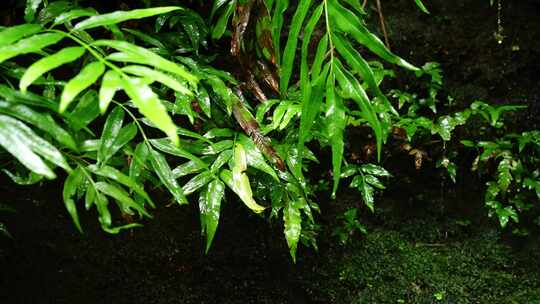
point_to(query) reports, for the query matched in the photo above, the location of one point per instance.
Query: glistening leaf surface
(88, 76)
(48, 63)
(121, 16)
(150, 106)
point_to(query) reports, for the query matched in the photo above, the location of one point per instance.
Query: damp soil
(422, 245)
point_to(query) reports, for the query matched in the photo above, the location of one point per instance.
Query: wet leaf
(23, 144)
(290, 47)
(336, 122)
(349, 22)
(375, 170)
(221, 24)
(197, 182)
(30, 9)
(141, 55)
(73, 14)
(14, 33)
(126, 203)
(121, 178)
(158, 76)
(293, 227)
(42, 121)
(110, 83)
(209, 206)
(121, 16)
(86, 111)
(48, 63)
(138, 161)
(29, 45)
(421, 6)
(72, 182)
(164, 172)
(88, 76)
(254, 157)
(110, 132)
(150, 106)
(239, 184)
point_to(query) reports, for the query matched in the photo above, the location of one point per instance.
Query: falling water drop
(499, 34)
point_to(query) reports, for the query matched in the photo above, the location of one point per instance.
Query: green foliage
(130, 99)
(513, 187)
(350, 225)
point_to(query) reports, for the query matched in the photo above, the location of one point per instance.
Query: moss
(387, 267)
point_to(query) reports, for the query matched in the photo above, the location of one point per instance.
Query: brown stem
(250, 126)
(383, 26)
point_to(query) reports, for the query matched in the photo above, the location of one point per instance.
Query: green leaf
(158, 76)
(150, 106)
(221, 160)
(310, 106)
(216, 6)
(254, 157)
(120, 195)
(375, 170)
(14, 33)
(31, 179)
(146, 38)
(221, 24)
(163, 171)
(20, 142)
(209, 206)
(366, 190)
(349, 23)
(110, 83)
(40, 146)
(53, 10)
(32, 44)
(110, 132)
(30, 10)
(72, 182)
(187, 168)
(312, 98)
(374, 181)
(359, 65)
(277, 25)
(197, 182)
(239, 184)
(138, 161)
(15, 96)
(116, 230)
(121, 16)
(421, 6)
(290, 47)
(117, 176)
(42, 121)
(203, 99)
(352, 88)
(320, 54)
(73, 14)
(293, 227)
(336, 122)
(48, 63)
(88, 76)
(5, 231)
(141, 55)
(85, 111)
(127, 133)
(166, 146)
(238, 181)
